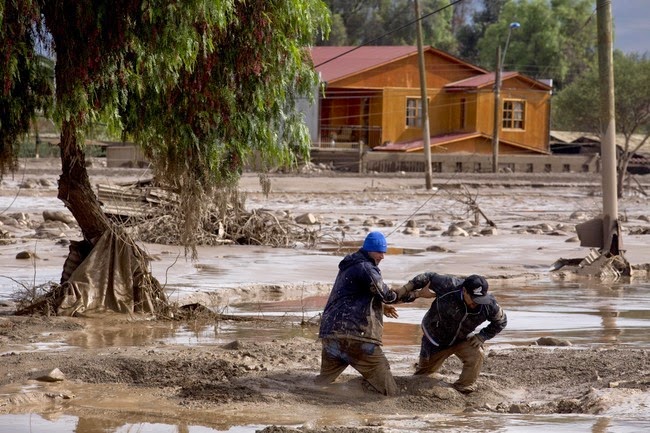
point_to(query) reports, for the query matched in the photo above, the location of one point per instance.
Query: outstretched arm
(408, 292)
(498, 321)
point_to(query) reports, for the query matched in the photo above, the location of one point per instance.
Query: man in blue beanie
(352, 322)
(459, 307)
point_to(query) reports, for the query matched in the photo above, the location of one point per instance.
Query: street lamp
(497, 98)
(511, 27)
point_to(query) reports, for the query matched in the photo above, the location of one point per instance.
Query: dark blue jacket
(449, 320)
(354, 308)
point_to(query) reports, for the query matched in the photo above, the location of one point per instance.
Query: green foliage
(632, 80)
(202, 83)
(338, 35)
(235, 101)
(557, 39)
(577, 106)
(470, 33)
(25, 76)
(386, 22)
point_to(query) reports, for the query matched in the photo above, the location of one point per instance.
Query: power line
(388, 33)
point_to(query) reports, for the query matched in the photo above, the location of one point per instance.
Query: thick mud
(254, 369)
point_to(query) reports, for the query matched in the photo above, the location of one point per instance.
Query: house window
(436, 167)
(477, 167)
(414, 112)
(529, 168)
(566, 168)
(459, 167)
(514, 113)
(547, 168)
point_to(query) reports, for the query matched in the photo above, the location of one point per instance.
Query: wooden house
(372, 94)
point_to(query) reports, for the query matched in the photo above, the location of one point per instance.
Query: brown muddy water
(586, 313)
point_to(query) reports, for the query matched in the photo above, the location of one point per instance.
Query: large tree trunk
(75, 189)
(115, 277)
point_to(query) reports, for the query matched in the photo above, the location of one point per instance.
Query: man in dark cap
(352, 322)
(459, 307)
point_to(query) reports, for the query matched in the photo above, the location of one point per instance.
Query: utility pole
(611, 231)
(426, 137)
(603, 232)
(501, 60)
(497, 113)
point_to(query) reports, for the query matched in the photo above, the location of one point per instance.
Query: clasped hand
(476, 341)
(425, 292)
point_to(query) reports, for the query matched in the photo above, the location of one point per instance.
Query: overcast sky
(631, 25)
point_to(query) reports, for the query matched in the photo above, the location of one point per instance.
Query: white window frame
(514, 114)
(413, 112)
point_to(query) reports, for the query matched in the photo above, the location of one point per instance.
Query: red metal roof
(440, 140)
(487, 79)
(416, 145)
(335, 63)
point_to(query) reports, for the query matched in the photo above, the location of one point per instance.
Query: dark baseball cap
(477, 287)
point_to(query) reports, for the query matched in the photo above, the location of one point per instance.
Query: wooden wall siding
(343, 110)
(389, 86)
(536, 132)
(470, 123)
(394, 120)
(405, 73)
(445, 115)
(537, 127)
(441, 121)
(376, 118)
(485, 111)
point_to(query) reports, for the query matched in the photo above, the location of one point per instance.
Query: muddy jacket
(354, 308)
(449, 320)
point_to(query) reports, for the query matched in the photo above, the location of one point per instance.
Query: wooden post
(608, 120)
(497, 113)
(426, 136)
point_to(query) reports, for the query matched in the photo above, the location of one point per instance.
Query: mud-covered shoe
(465, 389)
(367, 387)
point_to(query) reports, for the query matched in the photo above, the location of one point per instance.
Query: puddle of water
(226, 333)
(586, 313)
(30, 423)
(583, 314)
(58, 423)
(534, 424)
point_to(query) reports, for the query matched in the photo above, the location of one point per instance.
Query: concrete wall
(465, 163)
(125, 156)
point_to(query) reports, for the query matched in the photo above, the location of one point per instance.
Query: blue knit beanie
(375, 242)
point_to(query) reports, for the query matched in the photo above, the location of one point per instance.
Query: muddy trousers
(367, 358)
(432, 358)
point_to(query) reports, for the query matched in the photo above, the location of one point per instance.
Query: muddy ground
(270, 381)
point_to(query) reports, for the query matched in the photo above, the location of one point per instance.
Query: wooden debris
(151, 212)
